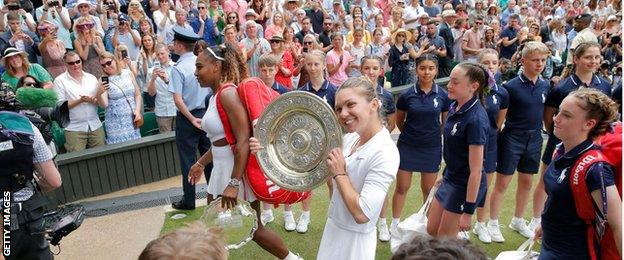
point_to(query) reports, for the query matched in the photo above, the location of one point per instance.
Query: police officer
(190, 99)
(27, 170)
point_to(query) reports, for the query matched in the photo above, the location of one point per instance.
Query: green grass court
(306, 245)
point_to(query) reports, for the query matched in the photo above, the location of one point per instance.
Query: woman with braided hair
(583, 115)
(222, 67)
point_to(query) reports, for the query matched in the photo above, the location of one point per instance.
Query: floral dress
(118, 123)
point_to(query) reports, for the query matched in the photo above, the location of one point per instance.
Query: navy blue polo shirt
(526, 103)
(387, 100)
(496, 100)
(565, 234)
(572, 83)
(327, 92)
(510, 33)
(279, 88)
(422, 123)
(465, 126)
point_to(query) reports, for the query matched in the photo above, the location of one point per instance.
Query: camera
(124, 54)
(53, 3)
(305, 49)
(616, 39)
(13, 7)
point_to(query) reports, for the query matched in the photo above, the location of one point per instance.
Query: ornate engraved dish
(297, 130)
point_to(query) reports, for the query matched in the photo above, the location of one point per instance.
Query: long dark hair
(20, 82)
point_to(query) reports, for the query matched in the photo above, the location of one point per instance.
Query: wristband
(200, 164)
(469, 207)
(340, 174)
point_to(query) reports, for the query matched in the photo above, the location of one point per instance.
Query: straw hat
(10, 52)
(408, 35)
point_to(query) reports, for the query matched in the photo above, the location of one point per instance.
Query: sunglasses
(29, 84)
(85, 26)
(76, 62)
(201, 7)
(307, 43)
(106, 64)
(232, 17)
(400, 35)
(275, 42)
(479, 23)
(83, 6)
(135, 5)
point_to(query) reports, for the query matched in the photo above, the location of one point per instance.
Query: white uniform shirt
(83, 117)
(371, 168)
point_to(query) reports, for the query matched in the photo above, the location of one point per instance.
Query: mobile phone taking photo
(124, 54)
(105, 79)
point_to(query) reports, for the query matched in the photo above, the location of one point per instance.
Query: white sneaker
(266, 217)
(534, 224)
(463, 235)
(384, 233)
(482, 233)
(520, 226)
(495, 234)
(302, 224)
(289, 221)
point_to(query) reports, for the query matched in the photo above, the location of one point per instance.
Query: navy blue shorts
(519, 149)
(489, 164)
(550, 149)
(452, 197)
(415, 158)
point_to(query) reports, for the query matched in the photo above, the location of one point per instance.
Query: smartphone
(13, 7)
(124, 54)
(53, 3)
(305, 49)
(105, 79)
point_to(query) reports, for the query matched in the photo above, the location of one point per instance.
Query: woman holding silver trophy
(362, 170)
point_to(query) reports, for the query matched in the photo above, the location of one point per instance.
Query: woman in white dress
(362, 172)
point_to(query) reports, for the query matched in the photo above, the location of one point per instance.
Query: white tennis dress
(371, 168)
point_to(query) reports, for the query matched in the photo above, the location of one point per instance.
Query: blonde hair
(534, 47)
(108, 55)
(81, 20)
(598, 107)
(193, 242)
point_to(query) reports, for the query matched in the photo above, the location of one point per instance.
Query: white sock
(494, 222)
(291, 256)
(382, 221)
(514, 218)
(395, 221)
(305, 214)
(288, 213)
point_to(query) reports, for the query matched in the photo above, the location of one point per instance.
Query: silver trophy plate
(297, 130)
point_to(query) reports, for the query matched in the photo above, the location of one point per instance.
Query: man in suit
(448, 17)
(17, 38)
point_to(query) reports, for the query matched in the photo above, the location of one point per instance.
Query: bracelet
(469, 207)
(340, 174)
(197, 162)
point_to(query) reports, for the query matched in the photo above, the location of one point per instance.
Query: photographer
(29, 171)
(612, 50)
(54, 12)
(14, 7)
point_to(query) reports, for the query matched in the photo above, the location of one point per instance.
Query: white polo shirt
(83, 117)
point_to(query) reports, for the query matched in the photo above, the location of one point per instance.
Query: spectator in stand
(458, 31)
(238, 6)
(298, 19)
(157, 87)
(338, 61)
(448, 17)
(126, 36)
(399, 56)
(230, 36)
(217, 14)
(232, 19)
(136, 14)
(180, 22)
(16, 66)
(287, 62)
(251, 15)
(13, 7)
(411, 14)
(478, 10)
(309, 45)
(358, 24)
(124, 61)
(54, 12)
(492, 14)
(146, 63)
(110, 23)
(290, 44)
(204, 25)
(82, 91)
(584, 34)
(122, 100)
(489, 39)
(255, 47)
(357, 49)
(15, 37)
(191, 11)
(472, 41)
(317, 16)
(51, 49)
(432, 9)
(163, 18)
(88, 44)
(83, 8)
(396, 21)
(305, 29)
(325, 35)
(276, 27)
(264, 11)
(289, 9)
(511, 9)
(510, 38)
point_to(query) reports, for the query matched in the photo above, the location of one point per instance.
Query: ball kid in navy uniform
(190, 99)
(462, 187)
(583, 115)
(420, 115)
(497, 101)
(585, 62)
(520, 142)
(371, 68)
